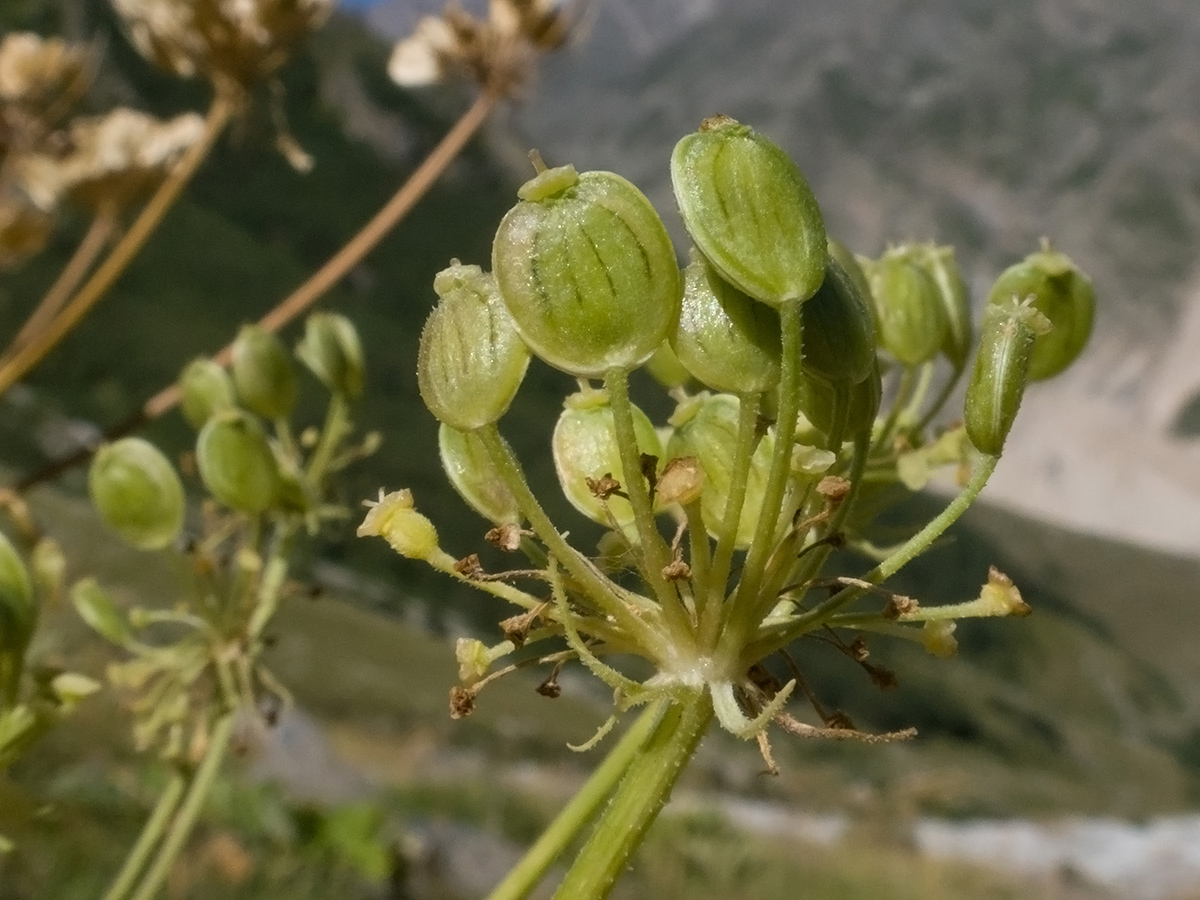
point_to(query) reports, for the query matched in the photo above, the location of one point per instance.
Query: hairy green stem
(654, 549)
(600, 590)
(638, 800)
(580, 811)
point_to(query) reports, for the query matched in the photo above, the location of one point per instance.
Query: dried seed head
(137, 492)
(37, 73)
(750, 211)
(588, 272)
(471, 360)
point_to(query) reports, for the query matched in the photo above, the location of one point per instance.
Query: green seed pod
(137, 492)
(471, 360)
(854, 268)
(471, 472)
(1063, 294)
(585, 448)
(206, 390)
(818, 401)
(1006, 347)
(18, 607)
(263, 373)
(750, 211)
(839, 330)
(586, 268)
(665, 368)
(97, 609)
(912, 319)
(940, 265)
(725, 338)
(236, 462)
(706, 428)
(332, 350)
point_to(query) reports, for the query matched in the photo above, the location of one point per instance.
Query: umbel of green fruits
(778, 347)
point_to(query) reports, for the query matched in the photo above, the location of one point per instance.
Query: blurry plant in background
(790, 460)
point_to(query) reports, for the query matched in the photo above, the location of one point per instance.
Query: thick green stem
(580, 811)
(654, 548)
(152, 831)
(602, 592)
(638, 800)
(337, 428)
(907, 551)
(189, 809)
(271, 586)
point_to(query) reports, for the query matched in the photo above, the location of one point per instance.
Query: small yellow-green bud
(706, 428)
(473, 660)
(839, 330)
(1000, 597)
(394, 519)
(941, 266)
(725, 338)
(586, 268)
(332, 350)
(471, 472)
(237, 464)
(750, 211)
(585, 452)
(912, 319)
(137, 492)
(938, 638)
(263, 373)
(206, 390)
(18, 606)
(471, 360)
(1060, 292)
(1001, 372)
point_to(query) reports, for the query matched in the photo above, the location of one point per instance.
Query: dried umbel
(39, 79)
(111, 159)
(24, 226)
(230, 42)
(137, 492)
(497, 52)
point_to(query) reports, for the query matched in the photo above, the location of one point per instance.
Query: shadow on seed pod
(332, 351)
(1063, 294)
(18, 606)
(912, 320)
(726, 339)
(818, 402)
(236, 462)
(471, 360)
(471, 472)
(137, 492)
(750, 211)
(585, 447)
(665, 368)
(942, 268)
(852, 265)
(706, 428)
(586, 268)
(263, 373)
(1006, 347)
(839, 330)
(206, 390)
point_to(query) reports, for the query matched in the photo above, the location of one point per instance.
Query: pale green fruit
(585, 447)
(18, 606)
(263, 373)
(750, 211)
(471, 360)
(725, 338)
(137, 492)
(332, 350)
(205, 389)
(941, 266)
(470, 470)
(912, 319)
(237, 464)
(586, 268)
(839, 330)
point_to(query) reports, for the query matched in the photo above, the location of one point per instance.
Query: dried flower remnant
(39, 79)
(111, 158)
(230, 42)
(24, 227)
(497, 53)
